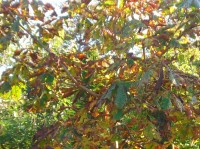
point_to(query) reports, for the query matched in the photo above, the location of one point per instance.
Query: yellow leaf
(104, 64)
(198, 120)
(61, 33)
(171, 9)
(120, 3)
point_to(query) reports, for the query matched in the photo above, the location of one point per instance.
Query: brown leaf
(64, 9)
(48, 6)
(33, 56)
(15, 4)
(17, 52)
(163, 36)
(86, 1)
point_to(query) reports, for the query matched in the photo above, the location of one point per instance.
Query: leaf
(121, 97)
(108, 94)
(48, 6)
(173, 78)
(47, 78)
(24, 72)
(194, 100)
(114, 66)
(43, 99)
(151, 133)
(118, 115)
(165, 103)
(130, 61)
(109, 2)
(174, 43)
(15, 25)
(5, 87)
(145, 78)
(120, 3)
(179, 104)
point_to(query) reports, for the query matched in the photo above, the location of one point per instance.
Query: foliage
(100, 74)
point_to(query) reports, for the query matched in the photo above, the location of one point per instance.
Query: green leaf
(194, 100)
(108, 94)
(109, 2)
(145, 78)
(151, 133)
(179, 104)
(24, 72)
(181, 58)
(118, 115)
(15, 25)
(173, 78)
(165, 103)
(43, 100)
(121, 97)
(47, 78)
(5, 87)
(174, 43)
(130, 61)
(114, 66)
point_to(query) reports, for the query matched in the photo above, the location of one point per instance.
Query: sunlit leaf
(109, 2)
(174, 79)
(179, 103)
(120, 3)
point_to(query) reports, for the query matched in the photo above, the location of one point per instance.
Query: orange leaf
(95, 112)
(81, 56)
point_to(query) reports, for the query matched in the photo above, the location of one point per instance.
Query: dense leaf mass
(100, 74)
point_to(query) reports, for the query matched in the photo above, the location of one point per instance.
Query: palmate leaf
(121, 96)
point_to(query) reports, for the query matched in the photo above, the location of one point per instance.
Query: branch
(75, 81)
(62, 64)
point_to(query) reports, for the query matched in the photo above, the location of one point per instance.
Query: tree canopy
(100, 74)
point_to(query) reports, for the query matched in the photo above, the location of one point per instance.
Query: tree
(102, 74)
